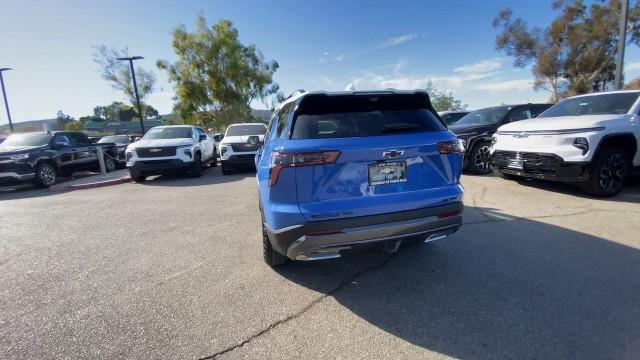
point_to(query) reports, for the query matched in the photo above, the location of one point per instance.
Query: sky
(319, 45)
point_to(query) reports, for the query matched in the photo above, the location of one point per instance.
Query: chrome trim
(334, 243)
(17, 176)
(550, 132)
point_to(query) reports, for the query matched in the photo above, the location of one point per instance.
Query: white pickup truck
(173, 148)
(592, 140)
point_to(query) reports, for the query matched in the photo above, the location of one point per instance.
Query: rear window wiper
(400, 127)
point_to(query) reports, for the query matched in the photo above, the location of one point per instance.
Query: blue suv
(341, 170)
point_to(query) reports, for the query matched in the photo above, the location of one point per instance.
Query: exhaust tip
(435, 237)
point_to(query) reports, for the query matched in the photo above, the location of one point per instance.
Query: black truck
(43, 156)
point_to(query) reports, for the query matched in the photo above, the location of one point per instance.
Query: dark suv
(476, 129)
(43, 156)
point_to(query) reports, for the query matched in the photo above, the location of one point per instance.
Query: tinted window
(484, 116)
(36, 139)
(240, 130)
(182, 132)
(618, 103)
(521, 113)
(537, 110)
(61, 138)
(78, 139)
(452, 117)
(282, 120)
(369, 123)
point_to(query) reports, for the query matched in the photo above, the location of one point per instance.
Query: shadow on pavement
(517, 289)
(630, 193)
(211, 176)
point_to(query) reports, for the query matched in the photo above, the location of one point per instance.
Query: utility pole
(135, 86)
(4, 94)
(622, 39)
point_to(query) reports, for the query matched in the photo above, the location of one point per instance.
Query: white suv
(240, 144)
(589, 139)
(171, 148)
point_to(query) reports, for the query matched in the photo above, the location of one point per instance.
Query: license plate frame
(388, 172)
(517, 164)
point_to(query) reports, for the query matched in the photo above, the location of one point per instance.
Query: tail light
(451, 147)
(283, 159)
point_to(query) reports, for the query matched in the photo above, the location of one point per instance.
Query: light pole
(621, 44)
(4, 94)
(135, 86)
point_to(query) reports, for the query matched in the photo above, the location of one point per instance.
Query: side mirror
(216, 138)
(202, 137)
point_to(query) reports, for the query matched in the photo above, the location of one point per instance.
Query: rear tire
(137, 177)
(271, 257)
(196, 166)
(46, 175)
(109, 164)
(226, 169)
(214, 161)
(480, 159)
(609, 172)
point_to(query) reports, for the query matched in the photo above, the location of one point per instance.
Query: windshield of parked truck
(182, 132)
(34, 139)
(615, 103)
(240, 130)
(118, 139)
(488, 116)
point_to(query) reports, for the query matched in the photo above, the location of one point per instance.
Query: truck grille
(537, 159)
(245, 147)
(154, 152)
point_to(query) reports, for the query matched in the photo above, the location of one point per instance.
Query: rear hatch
(389, 158)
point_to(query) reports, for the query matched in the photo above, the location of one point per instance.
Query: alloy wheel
(613, 173)
(481, 158)
(47, 175)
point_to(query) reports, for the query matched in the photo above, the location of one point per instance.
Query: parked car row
(589, 140)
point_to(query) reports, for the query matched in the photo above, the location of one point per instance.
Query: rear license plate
(387, 173)
(516, 164)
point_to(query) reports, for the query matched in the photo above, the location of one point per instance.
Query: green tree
(216, 76)
(63, 119)
(74, 125)
(118, 74)
(443, 100)
(575, 54)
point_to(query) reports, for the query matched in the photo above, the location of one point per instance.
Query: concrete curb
(91, 185)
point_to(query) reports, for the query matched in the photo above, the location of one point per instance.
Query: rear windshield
(617, 103)
(359, 116)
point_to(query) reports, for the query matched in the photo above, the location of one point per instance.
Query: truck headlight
(19, 157)
(187, 152)
(129, 155)
(582, 144)
(224, 149)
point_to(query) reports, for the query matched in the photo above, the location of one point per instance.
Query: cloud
(481, 67)
(508, 85)
(339, 58)
(397, 40)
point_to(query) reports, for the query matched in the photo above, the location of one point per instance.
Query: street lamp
(4, 94)
(135, 86)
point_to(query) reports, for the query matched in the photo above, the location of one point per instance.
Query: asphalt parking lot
(172, 269)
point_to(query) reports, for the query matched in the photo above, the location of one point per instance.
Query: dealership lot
(172, 268)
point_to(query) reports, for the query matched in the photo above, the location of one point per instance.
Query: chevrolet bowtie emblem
(522, 135)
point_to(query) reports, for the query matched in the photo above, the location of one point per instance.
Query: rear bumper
(540, 166)
(158, 166)
(325, 239)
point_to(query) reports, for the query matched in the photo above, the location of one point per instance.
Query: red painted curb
(63, 187)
